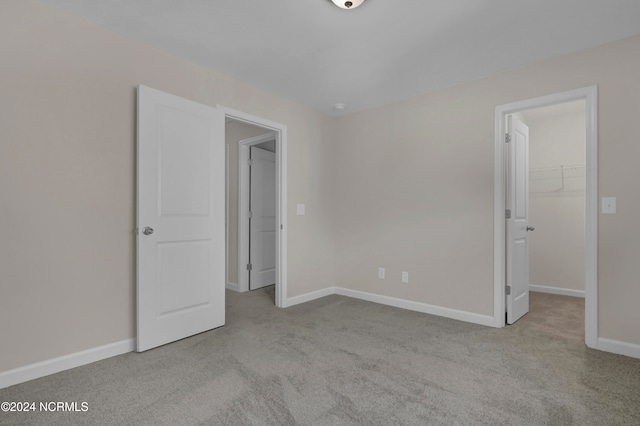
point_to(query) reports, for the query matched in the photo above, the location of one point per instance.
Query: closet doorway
(558, 180)
(556, 201)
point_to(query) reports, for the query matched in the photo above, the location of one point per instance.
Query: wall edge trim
(65, 362)
(617, 347)
(557, 290)
(424, 308)
(308, 297)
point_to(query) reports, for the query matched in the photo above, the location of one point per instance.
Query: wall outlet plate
(381, 273)
(405, 277)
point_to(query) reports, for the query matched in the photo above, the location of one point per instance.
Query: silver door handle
(147, 230)
(529, 228)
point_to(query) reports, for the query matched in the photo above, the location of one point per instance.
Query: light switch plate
(608, 205)
(300, 209)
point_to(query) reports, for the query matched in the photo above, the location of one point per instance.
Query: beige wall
(67, 178)
(235, 131)
(414, 187)
(557, 198)
(408, 186)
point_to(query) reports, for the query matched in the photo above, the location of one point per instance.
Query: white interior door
(181, 236)
(518, 222)
(262, 222)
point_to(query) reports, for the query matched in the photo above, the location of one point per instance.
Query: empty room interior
(319, 212)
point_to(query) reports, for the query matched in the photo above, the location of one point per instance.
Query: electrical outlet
(381, 273)
(405, 277)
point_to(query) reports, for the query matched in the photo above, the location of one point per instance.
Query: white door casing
(262, 221)
(181, 178)
(517, 225)
(590, 96)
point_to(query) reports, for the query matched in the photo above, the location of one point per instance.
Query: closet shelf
(558, 180)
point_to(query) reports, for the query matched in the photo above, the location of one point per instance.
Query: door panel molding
(590, 96)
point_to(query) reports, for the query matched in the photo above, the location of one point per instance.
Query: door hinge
(507, 290)
(250, 214)
(507, 214)
(507, 137)
(249, 266)
(250, 162)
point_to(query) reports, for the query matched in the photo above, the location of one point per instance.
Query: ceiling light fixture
(347, 4)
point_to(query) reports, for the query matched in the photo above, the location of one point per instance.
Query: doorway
(182, 257)
(555, 200)
(589, 96)
(556, 197)
(249, 130)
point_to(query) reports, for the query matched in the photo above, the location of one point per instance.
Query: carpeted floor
(339, 361)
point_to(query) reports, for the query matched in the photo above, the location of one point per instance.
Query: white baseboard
(52, 366)
(398, 303)
(308, 297)
(603, 344)
(419, 307)
(556, 290)
(618, 347)
(232, 286)
(66, 362)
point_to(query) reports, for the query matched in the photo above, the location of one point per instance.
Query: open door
(262, 222)
(181, 235)
(517, 227)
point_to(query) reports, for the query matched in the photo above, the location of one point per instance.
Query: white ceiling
(316, 54)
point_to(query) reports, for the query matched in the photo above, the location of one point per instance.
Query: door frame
(590, 96)
(280, 131)
(244, 193)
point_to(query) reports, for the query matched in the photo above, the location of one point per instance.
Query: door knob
(529, 228)
(147, 230)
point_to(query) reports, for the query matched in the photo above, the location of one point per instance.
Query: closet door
(518, 224)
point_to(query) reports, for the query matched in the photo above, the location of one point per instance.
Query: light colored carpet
(338, 361)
